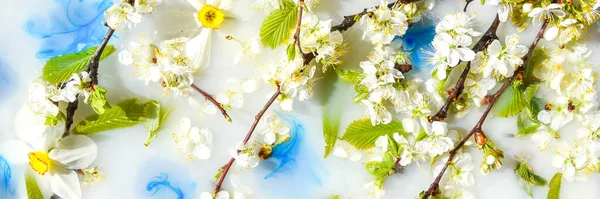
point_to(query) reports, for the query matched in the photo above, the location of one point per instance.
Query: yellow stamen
(211, 17)
(40, 162)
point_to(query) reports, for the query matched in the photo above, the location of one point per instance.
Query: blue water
(6, 188)
(417, 42)
(165, 178)
(70, 27)
(7, 81)
(162, 181)
(294, 170)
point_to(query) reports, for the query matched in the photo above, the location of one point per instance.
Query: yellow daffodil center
(40, 162)
(211, 17)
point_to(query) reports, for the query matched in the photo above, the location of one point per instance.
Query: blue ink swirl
(6, 189)
(6, 81)
(294, 169)
(162, 181)
(417, 41)
(73, 26)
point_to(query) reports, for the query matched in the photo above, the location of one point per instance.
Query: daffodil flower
(54, 158)
(209, 16)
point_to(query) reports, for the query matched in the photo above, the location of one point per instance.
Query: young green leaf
(377, 169)
(155, 116)
(61, 68)
(98, 100)
(33, 190)
(351, 76)
(527, 130)
(125, 114)
(331, 127)
(278, 26)
(510, 103)
(534, 107)
(525, 172)
(554, 192)
(291, 52)
(362, 134)
(422, 135)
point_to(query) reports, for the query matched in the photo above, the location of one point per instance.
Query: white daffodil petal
(75, 152)
(66, 185)
(197, 4)
(30, 127)
(15, 151)
(198, 49)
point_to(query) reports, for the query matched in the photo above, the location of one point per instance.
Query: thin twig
(456, 91)
(297, 34)
(467, 5)
(210, 98)
(257, 118)
(434, 187)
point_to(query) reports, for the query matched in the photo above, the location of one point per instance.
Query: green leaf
(52, 120)
(362, 134)
(33, 190)
(527, 130)
(534, 107)
(335, 197)
(377, 169)
(554, 192)
(422, 135)
(61, 68)
(155, 116)
(331, 128)
(351, 76)
(278, 26)
(393, 146)
(530, 92)
(525, 172)
(510, 103)
(98, 100)
(388, 160)
(125, 114)
(291, 52)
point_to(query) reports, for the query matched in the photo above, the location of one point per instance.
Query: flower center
(211, 17)
(40, 162)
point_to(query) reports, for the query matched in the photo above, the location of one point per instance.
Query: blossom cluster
(124, 16)
(316, 37)
(454, 35)
(167, 63)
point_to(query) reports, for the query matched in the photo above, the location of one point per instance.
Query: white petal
(503, 12)
(269, 138)
(544, 117)
(75, 152)
(202, 152)
(197, 4)
(249, 86)
(195, 134)
(66, 185)
(551, 33)
(186, 124)
(206, 195)
(30, 127)
(198, 49)
(354, 156)
(222, 195)
(15, 151)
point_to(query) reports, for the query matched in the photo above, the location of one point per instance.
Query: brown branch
(210, 98)
(456, 91)
(257, 118)
(467, 5)
(297, 34)
(71, 108)
(434, 187)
